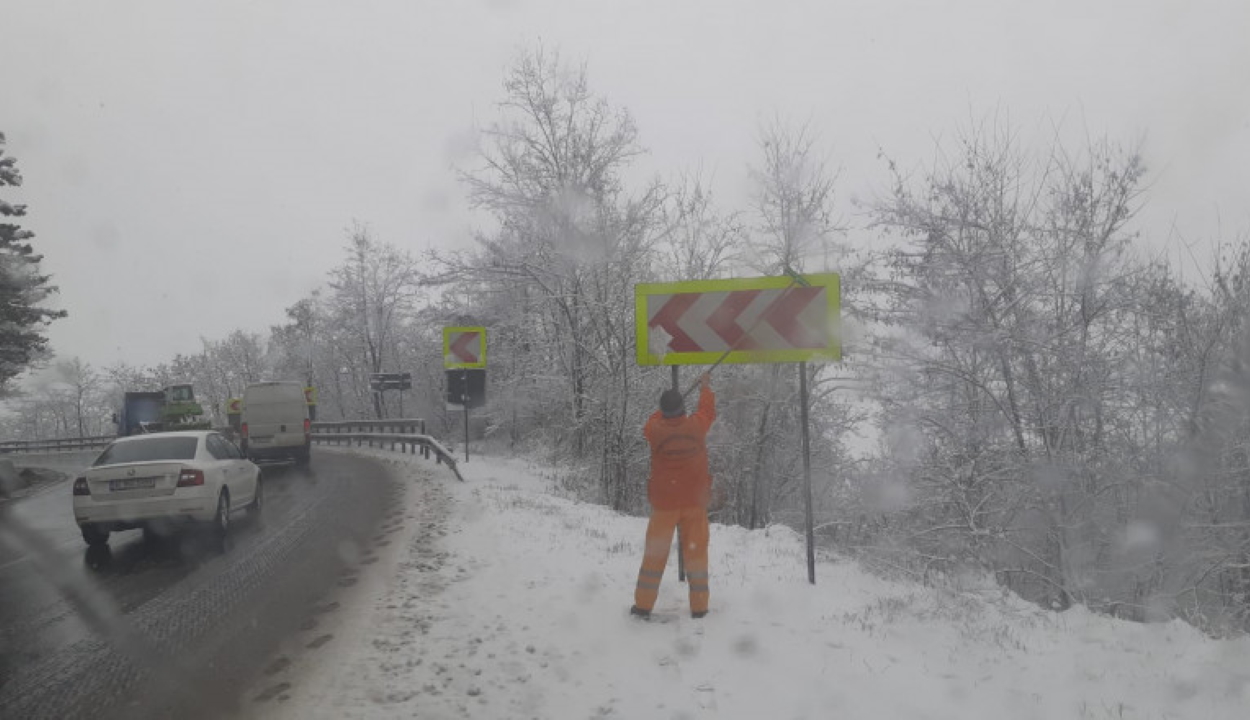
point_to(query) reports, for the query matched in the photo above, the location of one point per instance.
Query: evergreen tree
(22, 287)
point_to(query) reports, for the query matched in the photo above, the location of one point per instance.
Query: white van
(275, 422)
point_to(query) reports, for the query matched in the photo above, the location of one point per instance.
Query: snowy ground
(495, 599)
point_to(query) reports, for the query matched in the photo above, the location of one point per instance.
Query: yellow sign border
(447, 331)
(832, 282)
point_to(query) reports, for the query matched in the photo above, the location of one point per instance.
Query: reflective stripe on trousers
(694, 533)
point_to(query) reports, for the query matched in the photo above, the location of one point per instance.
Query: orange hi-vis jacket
(679, 469)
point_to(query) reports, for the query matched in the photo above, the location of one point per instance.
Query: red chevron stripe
(724, 320)
(783, 315)
(459, 347)
(667, 318)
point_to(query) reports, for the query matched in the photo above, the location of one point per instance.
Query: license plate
(262, 438)
(132, 484)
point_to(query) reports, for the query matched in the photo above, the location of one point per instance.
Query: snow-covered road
(497, 599)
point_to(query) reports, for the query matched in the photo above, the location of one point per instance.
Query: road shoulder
(378, 600)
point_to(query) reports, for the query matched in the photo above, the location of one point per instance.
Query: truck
(140, 413)
(148, 411)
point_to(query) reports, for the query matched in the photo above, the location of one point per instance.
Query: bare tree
(699, 243)
(794, 196)
(556, 277)
(792, 229)
(83, 384)
(372, 293)
(1013, 288)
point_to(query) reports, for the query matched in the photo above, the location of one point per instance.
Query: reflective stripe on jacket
(679, 466)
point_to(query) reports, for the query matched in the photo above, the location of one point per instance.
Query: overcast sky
(191, 167)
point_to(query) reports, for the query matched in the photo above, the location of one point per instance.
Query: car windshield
(947, 305)
(147, 449)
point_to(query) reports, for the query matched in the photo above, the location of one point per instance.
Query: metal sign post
(464, 402)
(807, 477)
(681, 554)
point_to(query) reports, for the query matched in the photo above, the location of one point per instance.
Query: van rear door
(275, 414)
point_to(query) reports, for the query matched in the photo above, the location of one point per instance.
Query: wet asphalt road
(184, 627)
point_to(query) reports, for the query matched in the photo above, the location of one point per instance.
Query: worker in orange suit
(679, 490)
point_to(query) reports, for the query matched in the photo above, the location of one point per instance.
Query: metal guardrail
(405, 433)
(424, 444)
(402, 426)
(56, 445)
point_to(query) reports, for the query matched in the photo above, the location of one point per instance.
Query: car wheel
(221, 521)
(255, 511)
(94, 535)
(303, 457)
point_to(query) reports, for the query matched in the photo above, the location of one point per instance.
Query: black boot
(697, 614)
(644, 614)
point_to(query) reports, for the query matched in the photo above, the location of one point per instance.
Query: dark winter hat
(672, 404)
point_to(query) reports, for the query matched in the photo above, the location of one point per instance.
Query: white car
(163, 480)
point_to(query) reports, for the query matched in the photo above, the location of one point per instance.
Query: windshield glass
(711, 359)
(154, 448)
(180, 393)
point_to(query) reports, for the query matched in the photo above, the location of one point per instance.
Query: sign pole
(807, 476)
(681, 555)
(464, 374)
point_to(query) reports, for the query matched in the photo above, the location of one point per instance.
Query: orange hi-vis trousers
(694, 536)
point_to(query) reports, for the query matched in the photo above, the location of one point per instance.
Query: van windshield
(274, 413)
(274, 405)
(273, 394)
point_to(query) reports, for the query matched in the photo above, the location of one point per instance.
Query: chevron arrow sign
(464, 347)
(757, 320)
